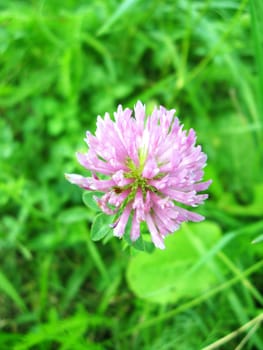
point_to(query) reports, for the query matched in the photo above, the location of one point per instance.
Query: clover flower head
(145, 166)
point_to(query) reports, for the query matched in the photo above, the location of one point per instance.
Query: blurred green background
(62, 63)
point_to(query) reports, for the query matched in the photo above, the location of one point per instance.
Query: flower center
(139, 182)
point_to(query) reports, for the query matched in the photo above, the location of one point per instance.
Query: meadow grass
(62, 63)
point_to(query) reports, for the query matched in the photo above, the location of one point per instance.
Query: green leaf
(258, 239)
(8, 289)
(144, 242)
(101, 226)
(88, 199)
(255, 209)
(141, 244)
(72, 215)
(165, 276)
(120, 11)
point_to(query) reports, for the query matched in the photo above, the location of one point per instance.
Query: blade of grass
(7, 287)
(256, 10)
(73, 285)
(94, 254)
(44, 275)
(247, 284)
(55, 330)
(200, 67)
(120, 11)
(228, 237)
(196, 301)
(247, 337)
(232, 297)
(255, 321)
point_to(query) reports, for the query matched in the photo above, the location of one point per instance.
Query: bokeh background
(62, 63)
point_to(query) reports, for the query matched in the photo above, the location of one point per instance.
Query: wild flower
(144, 166)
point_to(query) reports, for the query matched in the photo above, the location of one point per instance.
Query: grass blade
(7, 287)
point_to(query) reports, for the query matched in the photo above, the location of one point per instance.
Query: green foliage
(258, 239)
(168, 275)
(89, 200)
(100, 227)
(62, 64)
(7, 287)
